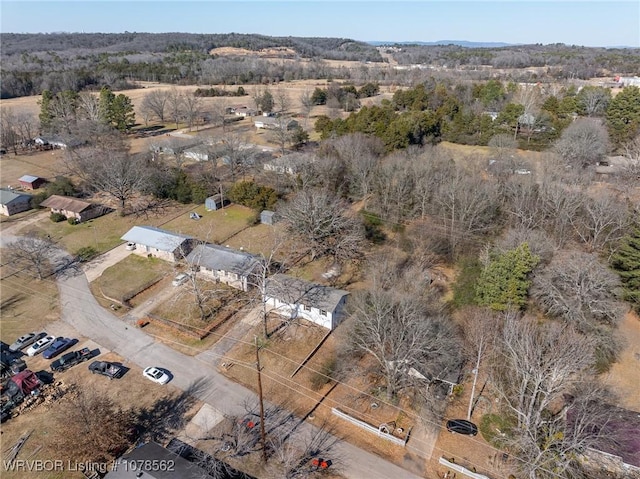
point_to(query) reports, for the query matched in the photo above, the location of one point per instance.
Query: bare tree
(89, 106)
(602, 221)
(576, 287)
(361, 154)
(9, 133)
(594, 99)
(110, 169)
(307, 105)
(192, 107)
(175, 105)
(583, 143)
(156, 103)
(95, 428)
(322, 220)
(236, 153)
(31, 253)
(503, 146)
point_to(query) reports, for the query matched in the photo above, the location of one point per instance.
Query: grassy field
(130, 274)
(26, 304)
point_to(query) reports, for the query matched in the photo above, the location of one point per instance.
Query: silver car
(25, 340)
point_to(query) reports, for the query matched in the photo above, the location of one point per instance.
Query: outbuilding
(268, 217)
(215, 202)
(29, 182)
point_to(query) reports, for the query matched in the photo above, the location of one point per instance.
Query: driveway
(80, 310)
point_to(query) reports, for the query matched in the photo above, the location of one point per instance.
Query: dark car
(25, 340)
(59, 345)
(462, 426)
(69, 360)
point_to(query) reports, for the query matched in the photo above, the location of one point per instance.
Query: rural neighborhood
(241, 255)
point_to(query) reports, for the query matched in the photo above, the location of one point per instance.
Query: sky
(573, 22)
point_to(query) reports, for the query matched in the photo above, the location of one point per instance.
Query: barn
(30, 182)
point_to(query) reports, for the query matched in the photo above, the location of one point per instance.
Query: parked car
(58, 346)
(156, 375)
(462, 426)
(25, 340)
(130, 246)
(40, 345)
(70, 359)
(180, 279)
(111, 370)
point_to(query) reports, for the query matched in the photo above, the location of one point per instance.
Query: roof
(7, 196)
(292, 161)
(66, 203)
(220, 258)
(298, 291)
(29, 178)
(155, 454)
(155, 238)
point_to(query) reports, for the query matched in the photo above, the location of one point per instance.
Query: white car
(40, 345)
(130, 246)
(180, 279)
(156, 375)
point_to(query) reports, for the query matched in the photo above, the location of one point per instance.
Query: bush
(373, 227)
(57, 217)
(86, 253)
(464, 289)
(323, 376)
(72, 220)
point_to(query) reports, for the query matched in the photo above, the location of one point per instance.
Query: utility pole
(262, 431)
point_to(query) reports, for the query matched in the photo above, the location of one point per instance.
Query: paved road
(80, 310)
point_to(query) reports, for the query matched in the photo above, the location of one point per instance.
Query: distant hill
(460, 43)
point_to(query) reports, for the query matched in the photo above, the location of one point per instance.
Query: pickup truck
(70, 359)
(111, 370)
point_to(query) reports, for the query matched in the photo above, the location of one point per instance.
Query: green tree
(504, 282)
(46, 115)
(623, 115)
(626, 262)
(104, 105)
(319, 96)
(122, 114)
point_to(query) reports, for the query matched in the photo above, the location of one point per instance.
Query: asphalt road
(81, 310)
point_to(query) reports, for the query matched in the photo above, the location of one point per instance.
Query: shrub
(57, 217)
(373, 227)
(86, 253)
(72, 220)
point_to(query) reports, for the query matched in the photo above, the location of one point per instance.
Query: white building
(296, 298)
(226, 265)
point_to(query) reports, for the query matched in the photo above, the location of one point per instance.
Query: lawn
(26, 304)
(130, 275)
(213, 226)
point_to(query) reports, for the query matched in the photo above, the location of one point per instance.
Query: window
(305, 307)
(323, 312)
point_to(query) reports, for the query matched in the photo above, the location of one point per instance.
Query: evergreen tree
(623, 115)
(627, 263)
(46, 116)
(504, 282)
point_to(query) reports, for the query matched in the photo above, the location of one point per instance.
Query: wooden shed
(215, 202)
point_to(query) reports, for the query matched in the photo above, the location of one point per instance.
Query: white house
(150, 241)
(12, 202)
(289, 164)
(271, 123)
(226, 265)
(197, 153)
(296, 298)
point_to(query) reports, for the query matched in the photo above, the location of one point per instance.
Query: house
(44, 142)
(619, 449)
(269, 217)
(30, 182)
(216, 202)
(197, 153)
(296, 298)
(627, 81)
(225, 265)
(12, 202)
(73, 207)
(290, 164)
(155, 242)
(271, 123)
(244, 111)
(143, 462)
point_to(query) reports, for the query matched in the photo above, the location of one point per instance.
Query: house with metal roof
(12, 202)
(158, 243)
(297, 298)
(289, 164)
(74, 208)
(30, 182)
(225, 265)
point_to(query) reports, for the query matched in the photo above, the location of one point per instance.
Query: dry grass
(26, 304)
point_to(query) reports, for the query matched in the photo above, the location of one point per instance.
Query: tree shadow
(162, 419)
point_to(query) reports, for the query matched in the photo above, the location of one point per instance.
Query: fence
(370, 428)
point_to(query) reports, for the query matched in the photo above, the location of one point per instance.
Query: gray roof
(291, 160)
(28, 178)
(298, 291)
(155, 238)
(220, 258)
(155, 454)
(7, 196)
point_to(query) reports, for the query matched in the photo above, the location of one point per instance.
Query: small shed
(29, 182)
(215, 202)
(268, 217)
